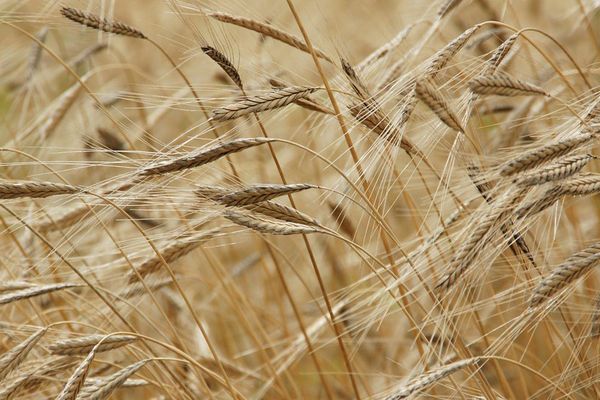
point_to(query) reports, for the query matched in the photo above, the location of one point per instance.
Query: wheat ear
(11, 359)
(428, 94)
(103, 24)
(83, 345)
(268, 225)
(442, 57)
(259, 193)
(77, 378)
(267, 30)
(573, 268)
(276, 99)
(102, 389)
(545, 153)
(35, 291)
(226, 65)
(558, 170)
(502, 84)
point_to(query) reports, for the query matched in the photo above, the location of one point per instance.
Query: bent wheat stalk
(83, 345)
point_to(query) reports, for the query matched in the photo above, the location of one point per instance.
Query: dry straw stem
(502, 84)
(138, 289)
(8, 286)
(558, 170)
(267, 30)
(536, 157)
(442, 57)
(83, 345)
(174, 250)
(431, 96)
(268, 225)
(15, 190)
(87, 53)
(226, 65)
(448, 6)
(100, 390)
(424, 381)
(35, 291)
(67, 99)
(202, 156)
(386, 48)
(102, 24)
(259, 193)
(77, 378)
(573, 268)
(306, 102)
(269, 101)
(11, 359)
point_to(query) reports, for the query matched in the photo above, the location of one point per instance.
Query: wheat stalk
(77, 378)
(269, 101)
(35, 291)
(428, 94)
(503, 85)
(427, 379)
(103, 24)
(558, 170)
(566, 273)
(100, 390)
(11, 359)
(201, 156)
(267, 30)
(84, 345)
(226, 65)
(268, 225)
(545, 153)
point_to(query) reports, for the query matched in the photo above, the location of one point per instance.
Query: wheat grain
(566, 273)
(442, 57)
(259, 193)
(277, 99)
(103, 24)
(268, 225)
(226, 65)
(84, 345)
(267, 30)
(35, 291)
(428, 94)
(558, 170)
(11, 359)
(282, 212)
(503, 85)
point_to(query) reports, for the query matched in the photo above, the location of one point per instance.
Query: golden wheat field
(299, 199)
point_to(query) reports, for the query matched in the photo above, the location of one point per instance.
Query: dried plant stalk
(550, 197)
(545, 153)
(569, 271)
(386, 48)
(268, 225)
(267, 30)
(503, 85)
(103, 24)
(558, 170)
(8, 286)
(259, 193)
(11, 359)
(87, 53)
(202, 156)
(425, 380)
(428, 94)
(226, 65)
(448, 6)
(84, 345)
(254, 104)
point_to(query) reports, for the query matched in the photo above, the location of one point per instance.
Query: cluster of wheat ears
(207, 205)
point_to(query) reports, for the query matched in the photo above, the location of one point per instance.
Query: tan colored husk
(561, 169)
(83, 345)
(11, 359)
(282, 212)
(15, 190)
(259, 193)
(226, 65)
(201, 156)
(77, 378)
(503, 85)
(35, 291)
(102, 389)
(273, 100)
(566, 273)
(103, 24)
(427, 379)
(442, 57)
(268, 225)
(541, 155)
(267, 30)
(174, 250)
(431, 96)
